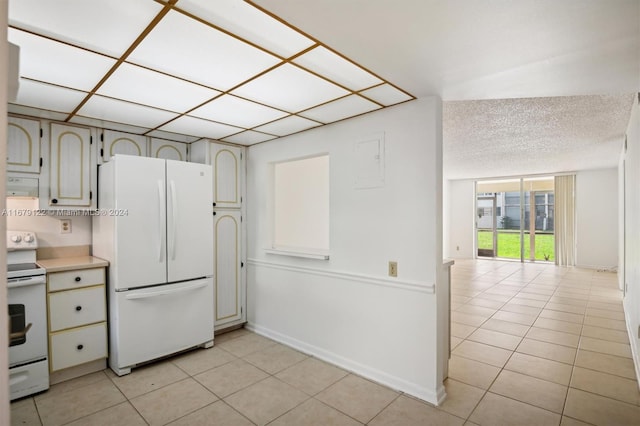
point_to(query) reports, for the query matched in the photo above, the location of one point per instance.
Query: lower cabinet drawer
(75, 279)
(77, 346)
(73, 308)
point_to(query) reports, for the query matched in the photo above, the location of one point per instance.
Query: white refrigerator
(154, 225)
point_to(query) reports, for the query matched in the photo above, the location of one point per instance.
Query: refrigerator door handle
(135, 296)
(161, 230)
(174, 219)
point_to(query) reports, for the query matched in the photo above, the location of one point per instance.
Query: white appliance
(155, 228)
(28, 364)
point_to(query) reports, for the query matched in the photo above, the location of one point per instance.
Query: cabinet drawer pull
(79, 347)
(54, 201)
(78, 279)
(78, 308)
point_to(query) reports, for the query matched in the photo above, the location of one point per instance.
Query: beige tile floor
(532, 345)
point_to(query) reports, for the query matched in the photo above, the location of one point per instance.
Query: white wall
(46, 227)
(460, 216)
(632, 233)
(346, 310)
(597, 218)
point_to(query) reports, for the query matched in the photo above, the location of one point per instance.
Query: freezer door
(153, 322)
(140, 222)
(189, 221)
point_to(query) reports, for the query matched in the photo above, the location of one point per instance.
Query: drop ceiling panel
(238, 112)
(386, 95)
(249, 23)
(105, 124)
(286, 126)
(36, 112)
(198, 127)
(172, 136)
(135, 84)
(104, 26)
(248, 138)
(124, 112)
(53, 62)
(324, 62)
(290, 88)
(340, 109)
(45, 96)
(186, 48)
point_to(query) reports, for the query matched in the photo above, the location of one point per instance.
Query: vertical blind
(565, 241)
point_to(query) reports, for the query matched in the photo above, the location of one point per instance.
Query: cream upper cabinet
(229, 288)
(70, 166)
(122, 143)
(169, 150)
(227, 165)
(23, 145)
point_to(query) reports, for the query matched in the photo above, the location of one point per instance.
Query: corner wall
(632, 232)
(461, 219)
(597, 219)
(347, 310)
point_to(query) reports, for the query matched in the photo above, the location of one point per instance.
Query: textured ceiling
(508, 137)
(487, 59)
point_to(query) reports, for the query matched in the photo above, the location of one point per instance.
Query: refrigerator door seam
(174, 219)
(161, 231)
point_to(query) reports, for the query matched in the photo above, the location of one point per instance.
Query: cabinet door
(23, 145)
(228, 169)
(169, 150)
(229, 289)
(123, 143)
(70, 168)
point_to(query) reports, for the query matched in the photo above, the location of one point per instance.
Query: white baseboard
(633, 341)
(433, 397)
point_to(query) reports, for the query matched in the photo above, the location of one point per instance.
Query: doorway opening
(515, 219)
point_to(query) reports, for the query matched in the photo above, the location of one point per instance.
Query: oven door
(28, 315)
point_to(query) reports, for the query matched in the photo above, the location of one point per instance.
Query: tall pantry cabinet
(229, 229)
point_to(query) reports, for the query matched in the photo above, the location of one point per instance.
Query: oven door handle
(20, 334)
(23, 282)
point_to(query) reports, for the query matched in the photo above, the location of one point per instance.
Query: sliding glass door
(515, 219)
(539, 214)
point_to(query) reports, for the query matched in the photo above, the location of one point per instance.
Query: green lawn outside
(509, 244)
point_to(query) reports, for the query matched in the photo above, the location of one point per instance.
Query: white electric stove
(26, 290)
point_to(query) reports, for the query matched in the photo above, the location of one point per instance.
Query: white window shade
(301, 205)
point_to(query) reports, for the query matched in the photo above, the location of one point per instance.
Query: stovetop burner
(22, 267)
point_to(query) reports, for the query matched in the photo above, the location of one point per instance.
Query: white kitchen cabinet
(229, 288)
(77, 317)
(229, 230)
(228, 166)
(70, 166)
(122, 143)
(23, 145)
(168, 150)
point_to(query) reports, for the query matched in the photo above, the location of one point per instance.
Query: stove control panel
(21, 240)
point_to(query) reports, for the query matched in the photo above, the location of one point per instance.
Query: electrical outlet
(457, 248)
(393, 269)
(65, 226)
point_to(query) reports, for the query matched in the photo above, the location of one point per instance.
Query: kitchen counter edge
(72, 263)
